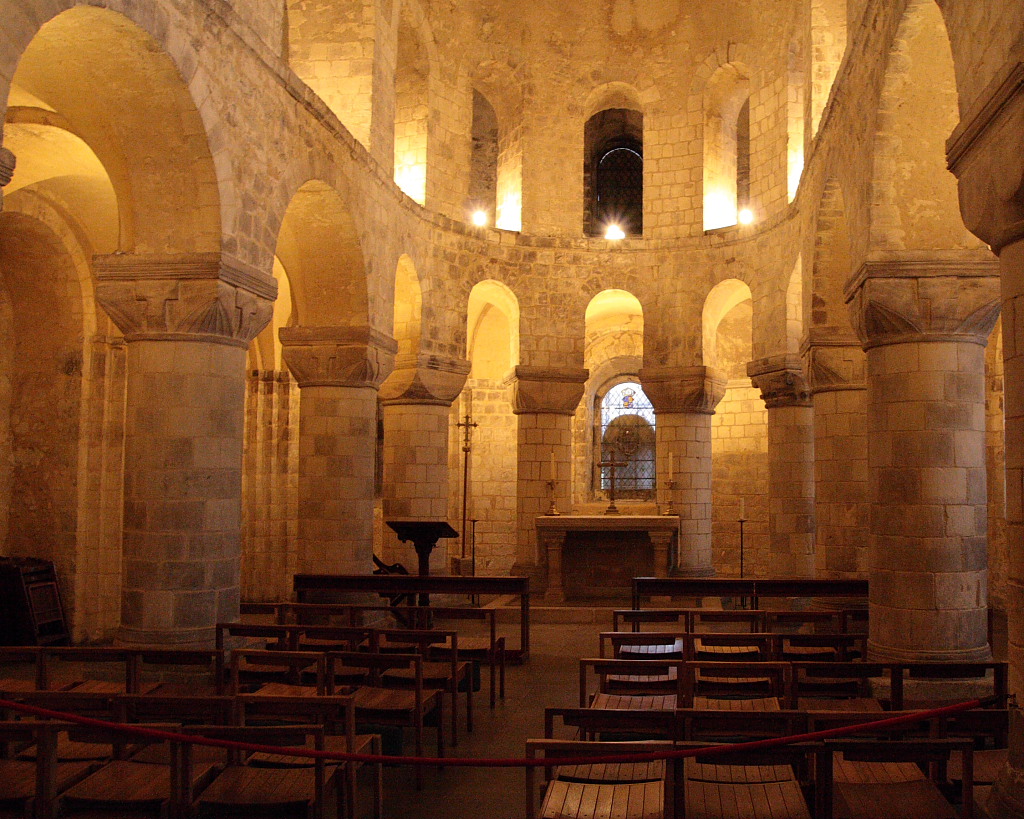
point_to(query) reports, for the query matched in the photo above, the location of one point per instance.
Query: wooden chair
(240, 788)
(486, 650)
(376, 704)
(643, 645)
(820, 686)
(124, 785)
(821, 647)
(23, 669)
(278, 672)
(613, 724)
(450, 675)
(631, 791)
(338, 638)
(86, 704)
(63, 668)
(337, 715)
(31, 787)
(158, 708)
(642, 684)
(735, 648)
(735, 685)
(185, 672)
(873, 776)
(997, 672)
(271, 636)
(757, 783)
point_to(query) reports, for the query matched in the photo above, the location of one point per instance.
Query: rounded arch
(486, 299)
(723, 297)
(612, 95)
(319, 246)
(416, 75)
(914, 202)
(145, 128)
(726, 144)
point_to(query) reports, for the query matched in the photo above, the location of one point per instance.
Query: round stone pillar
(924, 324)
(545, 399)
(338, 370)
(417, 399)
(684, 400)
(187, 323)
(835, 372)
(785, 393)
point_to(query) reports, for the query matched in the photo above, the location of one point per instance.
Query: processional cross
(612, 465)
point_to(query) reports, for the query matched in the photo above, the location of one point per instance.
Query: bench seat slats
(916, 800)
(767, 800)
(588, 800)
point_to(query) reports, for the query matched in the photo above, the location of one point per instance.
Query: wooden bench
(647, 587)
(307, 586)
(31, 787)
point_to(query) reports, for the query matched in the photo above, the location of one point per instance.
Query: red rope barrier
(471, 762)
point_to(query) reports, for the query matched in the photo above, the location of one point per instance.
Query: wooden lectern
(424, 535)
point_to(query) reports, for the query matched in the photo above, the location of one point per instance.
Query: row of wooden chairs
(489, 649)
(747, 647)
(51, 768)
(811, 685)
(840, 621)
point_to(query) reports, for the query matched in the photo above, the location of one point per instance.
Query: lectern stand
(424, 535)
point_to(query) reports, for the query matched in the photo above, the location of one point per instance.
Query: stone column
(684, 400)
(786, 394)
(924, 324)
(417, 399)
(545, 399)
(339, 370)
(187, 322)
(986, 152)
(835, 372)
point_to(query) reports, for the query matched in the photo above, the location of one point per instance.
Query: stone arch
(320, 248)
(914, 201)
(613, 145)
(726, 144)
(488, 299)
(502, 89)
(145, 129)
(612, 95)
(723, 297)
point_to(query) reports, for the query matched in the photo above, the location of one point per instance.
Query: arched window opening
(726, 147)
(483, 180)
(627, 436)
(614, 172)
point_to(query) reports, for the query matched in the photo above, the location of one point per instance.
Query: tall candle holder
(671, 484)
(552, 509)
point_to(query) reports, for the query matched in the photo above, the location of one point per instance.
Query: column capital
(425, 379)
(338, 356)
(927, 297)
(985, 154)
(185, 297)
(7, 163)
(834, 364)
(546, 390)
(683, 389)
(781, 380)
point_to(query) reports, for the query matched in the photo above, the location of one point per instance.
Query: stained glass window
(627, 435)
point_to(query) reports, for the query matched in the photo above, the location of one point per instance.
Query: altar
(603, 552)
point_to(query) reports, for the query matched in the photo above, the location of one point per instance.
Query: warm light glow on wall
(411, 178)
(719, 210)
(480, 218)
(510, 212)
(614, 232)
(746, 216)
(795, 171)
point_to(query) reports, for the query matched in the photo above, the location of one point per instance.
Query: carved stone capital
(781, 380)
(986, 153)
(546, 390)
(683, 389)
(194, 296)
(425, 379)
(338, 356)
(835, 365)
(7, 163)
(896, 301)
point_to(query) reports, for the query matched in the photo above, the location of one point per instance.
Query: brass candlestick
(671, 509)
(552, 509)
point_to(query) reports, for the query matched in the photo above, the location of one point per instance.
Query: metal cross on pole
(612, 465)
(467, 425)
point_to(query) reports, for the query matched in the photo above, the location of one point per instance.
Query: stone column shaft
(339, 370)
(684, 400)
(841, 510)
(545, 400)
(417, 400)
(924, 324)
(786, 394)
(187, 323)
